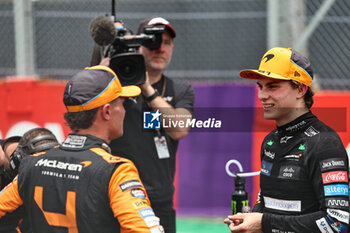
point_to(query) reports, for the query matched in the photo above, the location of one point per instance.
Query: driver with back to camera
(80, 186)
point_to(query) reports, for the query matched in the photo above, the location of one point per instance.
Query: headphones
(17, 155)
(15, 161)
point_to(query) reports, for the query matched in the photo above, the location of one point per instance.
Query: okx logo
(151, 120)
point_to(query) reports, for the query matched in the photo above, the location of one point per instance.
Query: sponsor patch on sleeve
(336, 226)
(152, 221)
(334, 177)
(138, 193)
(130, 184)
(139, 204)
(147, 212)
(340, 215)
(338, 203)
(323, 226)
(158, 229)
(332, 164)
(336, 190)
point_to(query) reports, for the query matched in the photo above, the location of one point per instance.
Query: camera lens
(129, 67)
(127, 70)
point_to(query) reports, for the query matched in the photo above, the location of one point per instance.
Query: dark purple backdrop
(203, 187)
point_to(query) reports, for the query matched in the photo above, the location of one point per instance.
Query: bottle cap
(239, 180)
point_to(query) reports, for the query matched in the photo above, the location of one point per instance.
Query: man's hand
(105, 61)
(146, 88)
(229, 222)
(244, 223)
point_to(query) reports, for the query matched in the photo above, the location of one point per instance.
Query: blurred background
(49, 40)
(216, 38)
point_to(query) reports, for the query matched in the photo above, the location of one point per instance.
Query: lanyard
(164, 87)
(162, 95)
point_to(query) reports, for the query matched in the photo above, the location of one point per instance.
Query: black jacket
(304, 179)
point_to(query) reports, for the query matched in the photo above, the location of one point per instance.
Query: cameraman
(154, 151)
(33, 141)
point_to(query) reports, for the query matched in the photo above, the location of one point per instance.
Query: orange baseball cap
(282, 63)
(94, 87)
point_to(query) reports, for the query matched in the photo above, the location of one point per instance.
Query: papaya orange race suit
(80, 187)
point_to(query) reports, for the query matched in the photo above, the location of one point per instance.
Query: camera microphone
(102, 30)
(116, 41)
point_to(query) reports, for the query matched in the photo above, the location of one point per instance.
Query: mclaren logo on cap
(268, 57)
(296, 74)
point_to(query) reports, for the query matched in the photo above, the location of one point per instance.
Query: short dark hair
(31, 141)
(308, 97)
(80, 120)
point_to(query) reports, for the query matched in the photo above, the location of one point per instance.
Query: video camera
(120, 44)
(125, 61)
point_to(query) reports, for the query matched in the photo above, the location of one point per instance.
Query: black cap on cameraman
(156, 21)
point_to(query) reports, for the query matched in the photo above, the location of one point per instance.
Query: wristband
(152, 97)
